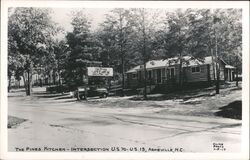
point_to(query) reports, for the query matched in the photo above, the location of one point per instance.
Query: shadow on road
(232, 110)
(63, 97)
(14, 121)
(186, 95)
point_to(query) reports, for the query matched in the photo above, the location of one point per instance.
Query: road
(57, 122)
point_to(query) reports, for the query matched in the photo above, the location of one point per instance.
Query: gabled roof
(133, 69)
(191, 61)
(208, 60)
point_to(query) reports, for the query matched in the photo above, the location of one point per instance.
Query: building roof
(208, 60)
(188, 61)
(133, 69)
(229, 66)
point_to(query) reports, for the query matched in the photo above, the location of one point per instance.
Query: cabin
(166, 72)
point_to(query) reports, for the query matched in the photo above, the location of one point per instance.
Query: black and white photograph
(125, 79)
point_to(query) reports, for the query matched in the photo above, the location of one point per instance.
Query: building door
(233, 76)
(139, 76)
(158, 74)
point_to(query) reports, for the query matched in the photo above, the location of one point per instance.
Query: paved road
(59, 122)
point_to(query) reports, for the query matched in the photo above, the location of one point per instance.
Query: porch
(229, 73)
(155, 76)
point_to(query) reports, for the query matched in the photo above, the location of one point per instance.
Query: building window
(134, 75)
(158, 75)
(163, 74)
(149, 74)
(195, 69)
(139, 75)
(170, 73)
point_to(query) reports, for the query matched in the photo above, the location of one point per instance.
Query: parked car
(92, 91)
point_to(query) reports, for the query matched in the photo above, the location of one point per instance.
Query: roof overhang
(229, 67)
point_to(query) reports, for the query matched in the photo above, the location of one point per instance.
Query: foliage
(30, 35)
(116, 41)
(81, 47)
(126, 38)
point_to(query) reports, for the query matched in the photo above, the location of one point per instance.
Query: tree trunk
(237, 78)
(180, 72)
(86, 82)
(9, 85)
(218, 78)
(123, 76)
(19, 83)
(145, 81)
(144, 56)
(25, 83)
(58, 73)
(217, 67)
(213, 63)
(28, 85)
(108, 64)
(121, 51)
(54, 77)
(237, 72)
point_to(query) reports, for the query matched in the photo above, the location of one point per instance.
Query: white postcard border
(125, 4)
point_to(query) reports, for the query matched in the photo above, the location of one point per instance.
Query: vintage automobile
(92, 91)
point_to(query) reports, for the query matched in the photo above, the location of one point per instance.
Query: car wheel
(82, 97)
(104, 95)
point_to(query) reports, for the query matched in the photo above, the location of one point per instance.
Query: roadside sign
(100, 71)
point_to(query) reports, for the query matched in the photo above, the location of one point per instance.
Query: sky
(63, 18)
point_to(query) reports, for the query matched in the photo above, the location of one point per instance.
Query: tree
(144, 21)
(174, 38)
(116, 39)
(82, 49)
(229, 35)
(200, 40)
(29, 30)
(61, 51)
(227, 38)
(15, 68)
(107, 43)
(208, 33)
(216, 33)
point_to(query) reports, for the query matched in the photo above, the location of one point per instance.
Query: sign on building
(100, 71)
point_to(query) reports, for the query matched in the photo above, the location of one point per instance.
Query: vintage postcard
(124, 80)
